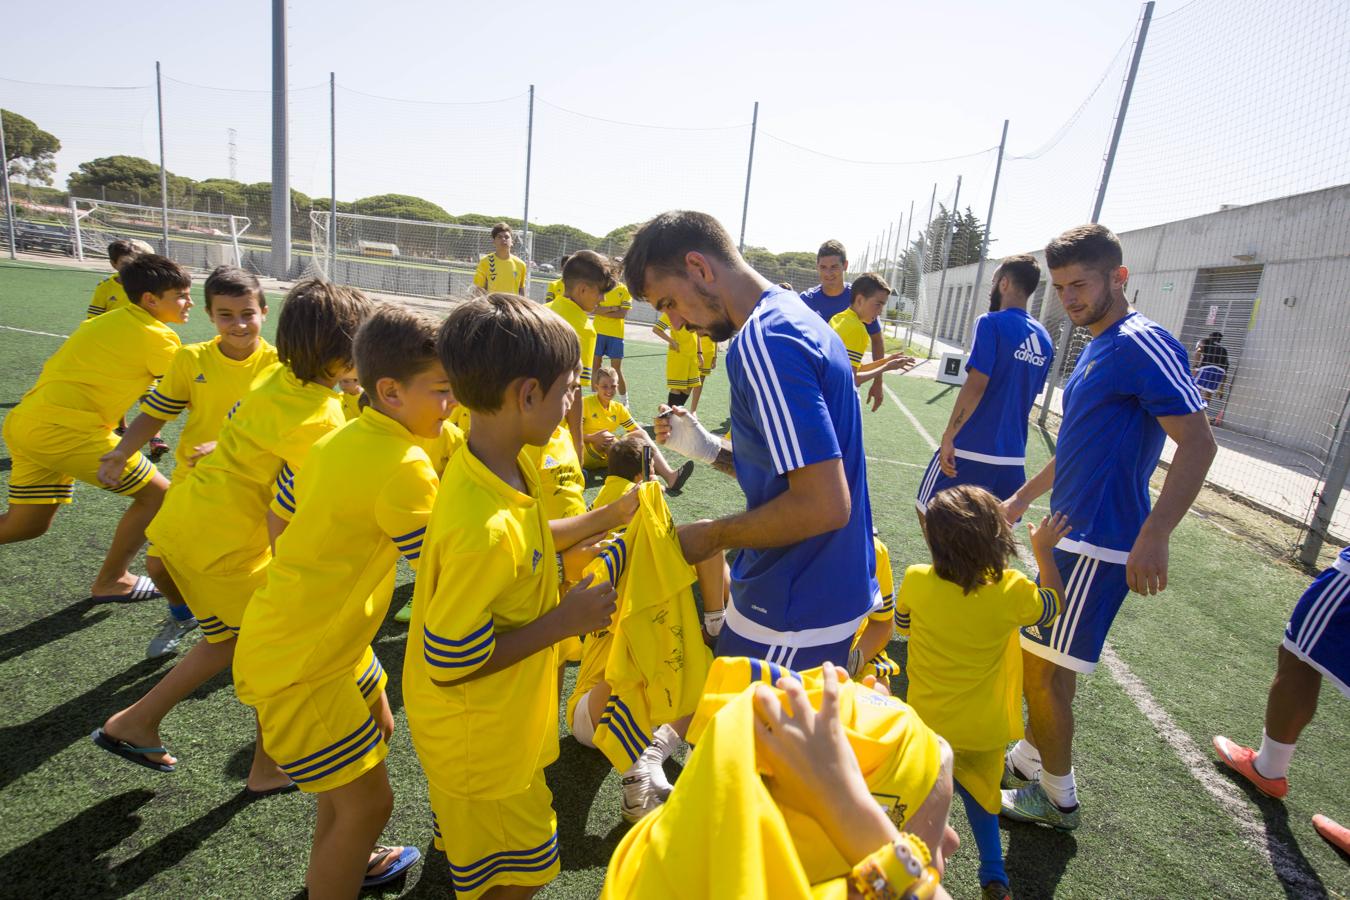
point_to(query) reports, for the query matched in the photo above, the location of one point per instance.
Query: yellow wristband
(898, 871)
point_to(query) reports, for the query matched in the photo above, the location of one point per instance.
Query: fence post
(1337, 473)
(529, 153)
(4, 182)
(163, 173)
(749, 168)
(984, 244)
(946, 257)
(281, 177)
(1066, 339)
(75, 230)
(234, 242)
(332, 177)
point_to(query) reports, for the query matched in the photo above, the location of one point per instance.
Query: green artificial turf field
(79, 822)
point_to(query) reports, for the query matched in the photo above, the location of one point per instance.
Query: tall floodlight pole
(946, 257)
(332, 177)
(984, 244)
(1066, 339)
(281, 178)
(163, 173)
(529, 159)
(4, 182)
(749, 169)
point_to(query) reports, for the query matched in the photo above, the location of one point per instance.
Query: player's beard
(1100, 306)
(995, 299)
(720, 328)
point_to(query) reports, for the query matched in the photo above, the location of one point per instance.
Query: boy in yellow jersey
(367, 488)
(610, 316)
(480, 671)
(830, 787)
(868, 655)
(350, 387)
(109, 293)
(604, 420)
(869, 299)
(707, 361)
(213, 532)
(586, 277)
(204, 380)
(962, 615)
(555, 287)
(682, 358)
(500, 271)
(64, 425)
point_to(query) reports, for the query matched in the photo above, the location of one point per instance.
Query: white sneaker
(170, 637)
(644, 787)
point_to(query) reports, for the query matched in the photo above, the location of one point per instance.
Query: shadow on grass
(174, 847)
(70, 854)
(64, 621)
(1300, 879)
(391, 644)
(575, 780)
(1036, 858)
(940, 394)
(1047, 438)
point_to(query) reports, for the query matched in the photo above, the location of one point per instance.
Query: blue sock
(985, 826)
(181, 613)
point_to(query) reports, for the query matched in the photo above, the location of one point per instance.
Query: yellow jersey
(351, 404)
(853, 333)
(206, 384)
(562, 484)
(101, 370)
(459, 417)
(488, 567)
(442, 447)
(615, 486)
(595, 417)
(500, 277)
(580, 320)
(778, 852)
(619, 298)
(363, 500)
(686, 339)
(555, 290)
(965, 660)
(108, 295)
(708, 347)
(216, 520)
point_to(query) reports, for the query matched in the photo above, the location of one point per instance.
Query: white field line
(896, 462)
(31, 331)
(1285, 861)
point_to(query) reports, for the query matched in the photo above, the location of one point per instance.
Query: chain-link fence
(1230, 192)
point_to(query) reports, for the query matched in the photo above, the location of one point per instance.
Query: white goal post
(198, 240)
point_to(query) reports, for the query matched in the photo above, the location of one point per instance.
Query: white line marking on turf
(31, 331)
(1285, 861)
(923, 432)
(896, 462)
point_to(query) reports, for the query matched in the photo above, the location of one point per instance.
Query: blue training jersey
(1014, 351)
(793, 403)
(1110, 441)
(829, 307)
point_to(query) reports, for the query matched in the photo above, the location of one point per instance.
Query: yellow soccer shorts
(218, 600)
(46, 461)
(682, 374)
(979, 772)
(324, 734)
(507, 841)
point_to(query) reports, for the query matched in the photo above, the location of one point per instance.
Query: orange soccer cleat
(1242, 760)
(1335, 833)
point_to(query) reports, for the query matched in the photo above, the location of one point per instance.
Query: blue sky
(848, 92)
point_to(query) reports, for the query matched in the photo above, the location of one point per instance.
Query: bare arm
(574, 529)
(670, 341)
(1146, 568)
(142, 429)
(275, 526)
(816, 501)
(611, 312)
(966, 402)
(1042, 481)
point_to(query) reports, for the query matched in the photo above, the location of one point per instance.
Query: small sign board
(952, 369)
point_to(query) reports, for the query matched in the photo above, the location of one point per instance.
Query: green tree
(400, 206)
(30, 152)
(967, 233)
(126, 178)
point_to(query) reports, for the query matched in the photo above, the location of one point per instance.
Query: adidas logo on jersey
(534, 563)
(1030, 351)
(200, 379)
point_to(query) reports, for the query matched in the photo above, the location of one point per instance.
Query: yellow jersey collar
(484, 476)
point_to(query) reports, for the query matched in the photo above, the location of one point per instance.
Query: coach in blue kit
(1130, 390)
(985, 443)
(834, 295)
(803, 577)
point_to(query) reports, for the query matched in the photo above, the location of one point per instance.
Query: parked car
(44, 237)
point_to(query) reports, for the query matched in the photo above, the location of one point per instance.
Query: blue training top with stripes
(1014, 351)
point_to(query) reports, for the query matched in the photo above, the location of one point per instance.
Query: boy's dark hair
(625, 456)
(499, 228)
(832, 248)
(396, 343)
(154, 274)
(661, 244)
(489, 342)
(1024, 271)
(1095, 246)
(589, 267)
(232, 281)
(869, 284)
(318, 323)
(968, 536)
(562, 261)
(118, 249)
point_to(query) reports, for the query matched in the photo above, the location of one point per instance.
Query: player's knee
(24, 523)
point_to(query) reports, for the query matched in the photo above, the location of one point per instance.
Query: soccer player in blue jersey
(803, 578)
(834, 295)
(1130, 390)
(986, 438)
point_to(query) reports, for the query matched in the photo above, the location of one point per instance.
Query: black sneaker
(157, 448)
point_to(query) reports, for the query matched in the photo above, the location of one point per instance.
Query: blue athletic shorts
(1001, 480)
(1094, 590)
(1208, 378)
(729, 643)
(608, 346)
(1319, 628)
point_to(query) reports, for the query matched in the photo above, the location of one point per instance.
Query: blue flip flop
(405, 860)
(143, 589)
(129, 752)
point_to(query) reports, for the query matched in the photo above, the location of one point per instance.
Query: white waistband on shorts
(808, 637)
(990, 459)
(1083, 548)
